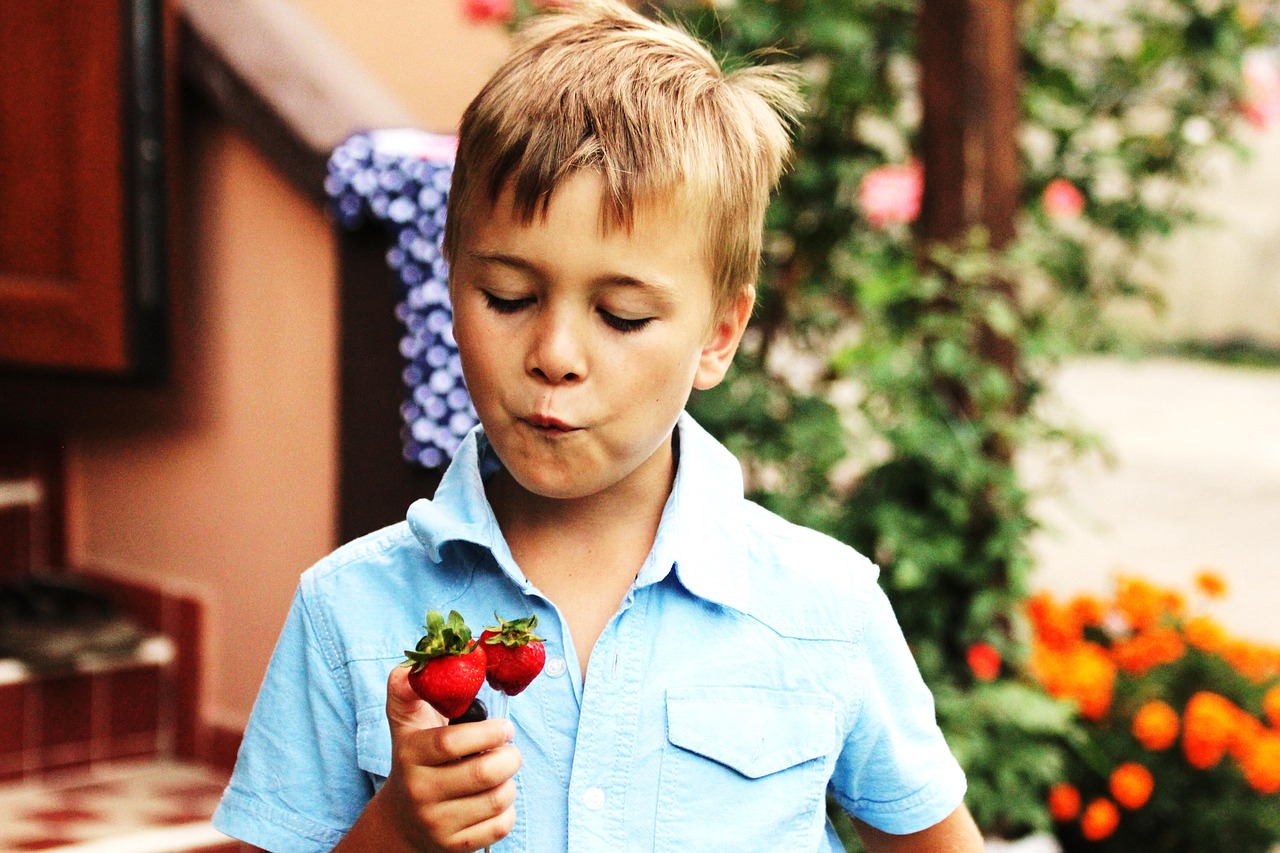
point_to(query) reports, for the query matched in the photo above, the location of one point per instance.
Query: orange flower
(1244, 734)
(1064, 802)
(1211, 584)
(1087, 610)
(1083, 673)
(1252, 660)
(984, 660)
(1148, 649)
(1053, 624)
(1156, 725)
(1260, 763)
(1208, 726)
(1271, 706)
(1204, 633)
(1141, 602)
(1100, 819)
(1131, 784)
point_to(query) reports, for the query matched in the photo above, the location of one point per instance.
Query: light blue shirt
(753, 666)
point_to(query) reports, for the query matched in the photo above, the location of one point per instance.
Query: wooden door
(79, 282)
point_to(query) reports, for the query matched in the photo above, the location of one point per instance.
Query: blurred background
(202, 372)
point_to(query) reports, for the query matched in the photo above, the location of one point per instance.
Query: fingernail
(509, 729)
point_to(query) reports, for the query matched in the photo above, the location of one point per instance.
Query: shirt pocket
(745, 766)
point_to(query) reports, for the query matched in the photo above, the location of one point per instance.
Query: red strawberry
(515, 654)
(447, 667)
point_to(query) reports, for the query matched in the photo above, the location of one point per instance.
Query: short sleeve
(297, 787)
(895, 771)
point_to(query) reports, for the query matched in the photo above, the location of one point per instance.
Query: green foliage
(884, 400)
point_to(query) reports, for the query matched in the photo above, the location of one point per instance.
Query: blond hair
(597, 86)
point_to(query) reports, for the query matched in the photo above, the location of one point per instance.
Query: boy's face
(580, 348)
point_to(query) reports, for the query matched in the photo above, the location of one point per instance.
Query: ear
(722, 344)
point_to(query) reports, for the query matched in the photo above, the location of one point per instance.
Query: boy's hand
(451, 788)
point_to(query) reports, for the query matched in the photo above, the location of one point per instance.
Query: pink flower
(488, 11)
(1261, 107)
(890, 195)
(1062, 200)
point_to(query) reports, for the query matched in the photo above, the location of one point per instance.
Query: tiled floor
(126, 807)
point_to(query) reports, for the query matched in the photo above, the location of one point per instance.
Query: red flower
(984, 660)
(1100, 819)
(1131, 784)
(1064, 802)
(488, 11)
(1062, 200)
(890, 195)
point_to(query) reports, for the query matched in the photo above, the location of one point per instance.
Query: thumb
(405, 708)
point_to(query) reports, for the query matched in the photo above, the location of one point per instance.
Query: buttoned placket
(607, 732)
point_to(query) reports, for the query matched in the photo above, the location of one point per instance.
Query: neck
(633, 504)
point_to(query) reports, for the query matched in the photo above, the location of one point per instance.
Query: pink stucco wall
(230, 493)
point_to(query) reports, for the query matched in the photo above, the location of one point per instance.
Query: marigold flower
(1252, 660)
(1131, 785)
(1064, 802)
(1087, 610)
(1271, 706)
(1244, 734)
(1211, 584)
(1083, 673)
(1261, 763)
(1062, 200)
(1053, 624)
(891, 194)
(1204, 633)
(1141, 602)
(984, 661)
(1148, 649)
(1100, 819)
(1208, 725)
(1156, 726)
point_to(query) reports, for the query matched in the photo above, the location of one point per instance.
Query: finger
(448, 744)
(491, 831)
(475, 821)
(459, 780)
(405, 709)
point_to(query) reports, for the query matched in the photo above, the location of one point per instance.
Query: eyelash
(619, 324)
(506, 306)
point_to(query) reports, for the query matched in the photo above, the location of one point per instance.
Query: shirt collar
(702, 532)
(460, 510)
(700, 535)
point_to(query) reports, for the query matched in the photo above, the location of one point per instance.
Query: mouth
(548, 425)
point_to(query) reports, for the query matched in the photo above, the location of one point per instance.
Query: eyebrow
(658, 289)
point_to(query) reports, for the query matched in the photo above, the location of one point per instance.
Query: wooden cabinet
(81, 190)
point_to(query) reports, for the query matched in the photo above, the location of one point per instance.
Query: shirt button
(593, 798)
(556, 667)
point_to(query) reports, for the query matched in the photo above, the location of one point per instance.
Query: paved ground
(1195, 482)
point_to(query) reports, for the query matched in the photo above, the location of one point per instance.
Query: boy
(713, 672)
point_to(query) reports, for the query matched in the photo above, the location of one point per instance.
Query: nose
(557, 353)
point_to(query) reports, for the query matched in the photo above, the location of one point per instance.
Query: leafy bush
(1181, 752)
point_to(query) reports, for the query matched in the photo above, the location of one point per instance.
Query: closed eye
(622, 324)
(506, 306)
